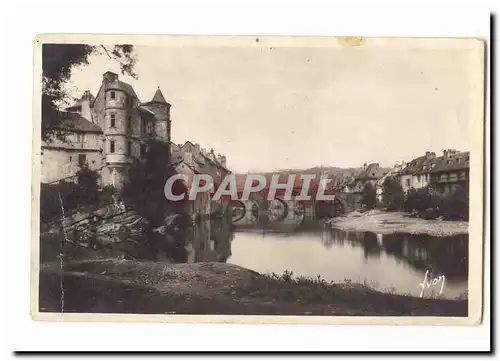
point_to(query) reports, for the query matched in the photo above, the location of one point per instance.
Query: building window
(70, 158)
(407, 182)
(112, 95)
(143, 126)
(143, 150)
(113, 120)
(129, 148)
(418, 178)
(82, 159)
(112, 146)
(129, 124)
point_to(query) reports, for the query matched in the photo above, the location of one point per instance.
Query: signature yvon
(428, 283)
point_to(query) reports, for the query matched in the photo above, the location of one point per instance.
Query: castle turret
(117, 116)
(162, 114)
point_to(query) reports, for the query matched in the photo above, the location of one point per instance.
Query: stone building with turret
(108, 133)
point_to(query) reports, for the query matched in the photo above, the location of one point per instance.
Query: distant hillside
(332, 171)
(335, 173)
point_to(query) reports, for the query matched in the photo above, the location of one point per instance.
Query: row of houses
(445, 172)
(190, 159)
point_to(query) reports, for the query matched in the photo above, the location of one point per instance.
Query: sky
(266, 106)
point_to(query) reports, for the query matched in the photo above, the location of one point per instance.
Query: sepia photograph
(258, 177)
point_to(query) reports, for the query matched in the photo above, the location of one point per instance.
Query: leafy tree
(369, 198)
(145, 189)
(422, 199)
(58, 61)
(392, 194)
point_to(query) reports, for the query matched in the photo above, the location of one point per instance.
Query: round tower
(117, 104)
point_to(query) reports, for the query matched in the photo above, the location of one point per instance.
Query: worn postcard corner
(293, 180)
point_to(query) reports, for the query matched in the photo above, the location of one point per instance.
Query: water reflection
(205, 241)
(210, 241)
(439, 255)
(396, 261)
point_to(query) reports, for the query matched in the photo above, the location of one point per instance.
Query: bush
(430, 204)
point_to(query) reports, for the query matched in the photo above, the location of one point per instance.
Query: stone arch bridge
(293, 212)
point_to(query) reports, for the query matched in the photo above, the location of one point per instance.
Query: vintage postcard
(314, 180)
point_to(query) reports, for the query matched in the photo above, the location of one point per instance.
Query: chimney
(445, 155)
(85, 102)
(86, 95)
(364, 165)
(109, 77)
(223, 161)
(430, 155)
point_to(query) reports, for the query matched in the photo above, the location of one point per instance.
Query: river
(395, 263)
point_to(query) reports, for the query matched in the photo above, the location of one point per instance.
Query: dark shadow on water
(440, 255)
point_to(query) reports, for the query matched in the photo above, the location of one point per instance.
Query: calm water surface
(386, 262)
(395, 262)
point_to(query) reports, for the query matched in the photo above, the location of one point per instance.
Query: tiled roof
(455, 161)
(175, 164)
(414, 165)
(214, 161)
(428, 165)
(120, 85)
(75, 122)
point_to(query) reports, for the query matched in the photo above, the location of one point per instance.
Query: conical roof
(158, 97)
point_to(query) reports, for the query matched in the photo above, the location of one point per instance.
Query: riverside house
(413, 174)
(451, 171)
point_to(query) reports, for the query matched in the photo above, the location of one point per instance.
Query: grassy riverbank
(397, 222)
(124, 286)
